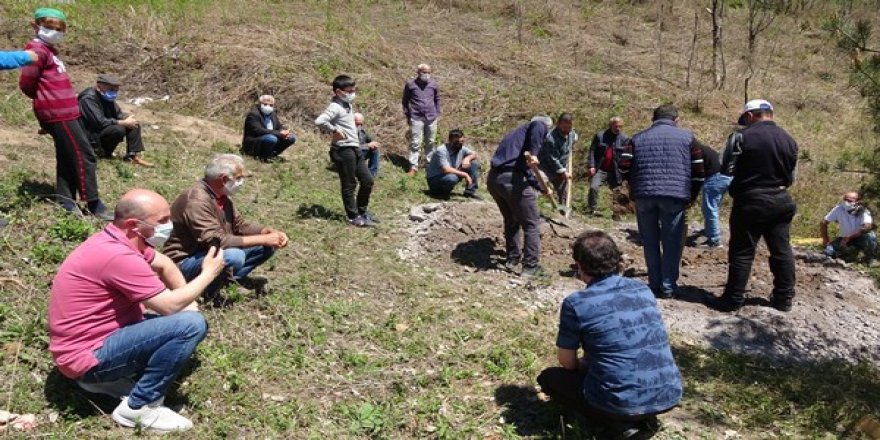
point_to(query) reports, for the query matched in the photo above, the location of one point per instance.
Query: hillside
(357, 338)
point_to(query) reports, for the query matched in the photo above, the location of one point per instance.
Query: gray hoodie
(339, 116)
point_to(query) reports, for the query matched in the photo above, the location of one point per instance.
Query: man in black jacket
(264, 136)
(602, 161)
(763, 166)
(106, 124)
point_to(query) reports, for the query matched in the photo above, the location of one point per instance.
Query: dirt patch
(836, 312)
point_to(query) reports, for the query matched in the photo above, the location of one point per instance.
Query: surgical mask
(348, 97)
(266, 109)
(424, 76)
(109, 95)
(852, 208)
(232, 186)
(161, 233)
(50, 36)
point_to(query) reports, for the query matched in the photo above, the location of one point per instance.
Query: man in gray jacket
(555, 153)
(338, 119)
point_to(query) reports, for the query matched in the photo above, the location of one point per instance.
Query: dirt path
(835, 314)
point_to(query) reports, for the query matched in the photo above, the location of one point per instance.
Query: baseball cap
(755, 104)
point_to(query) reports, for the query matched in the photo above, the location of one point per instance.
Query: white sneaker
(152, 416)
(118, 388)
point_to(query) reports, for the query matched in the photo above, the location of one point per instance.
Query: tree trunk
(719, 70)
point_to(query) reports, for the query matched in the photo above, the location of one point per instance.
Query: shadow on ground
(318, 211)
(398, 161)
(479, 253)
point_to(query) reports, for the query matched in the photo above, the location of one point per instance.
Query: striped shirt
(46, 82)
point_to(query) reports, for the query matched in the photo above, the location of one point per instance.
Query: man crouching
(627, 374)
(98, 333)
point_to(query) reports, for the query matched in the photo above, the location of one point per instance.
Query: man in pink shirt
(98, 334)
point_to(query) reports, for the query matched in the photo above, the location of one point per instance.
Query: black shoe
(781, 304)
(722, 304)
(473, 196)
(660, 294)
(511, 265)
(372, 217)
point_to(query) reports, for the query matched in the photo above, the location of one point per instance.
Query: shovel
(543, 184)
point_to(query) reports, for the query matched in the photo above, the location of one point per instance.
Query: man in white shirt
(856, 230)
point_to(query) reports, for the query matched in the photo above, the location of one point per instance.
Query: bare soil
(835, 313)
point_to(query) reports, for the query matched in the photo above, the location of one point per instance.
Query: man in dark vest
(664, 166)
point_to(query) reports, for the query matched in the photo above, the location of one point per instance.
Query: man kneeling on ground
(452, 163)
(107, 125)
(856, 230)
(205, 216)
(98, 333)
(264, 136)
(627, 374)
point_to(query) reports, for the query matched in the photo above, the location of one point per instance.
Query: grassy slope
(352, 342)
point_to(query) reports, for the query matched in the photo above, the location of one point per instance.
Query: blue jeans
(372, 158)
(240, 261)
(271, 145)
(443, 184)
(155, 349)
(713, 192)
(661, 222)
(866, 243)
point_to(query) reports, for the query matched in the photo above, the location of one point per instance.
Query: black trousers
(767, 216)
(353, 171)
(75, 163)
(112, 135)
(566, 387)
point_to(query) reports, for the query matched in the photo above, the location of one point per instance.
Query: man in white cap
(762, 162)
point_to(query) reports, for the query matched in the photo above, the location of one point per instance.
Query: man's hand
(213, 262)
(374, 145)
(129, 122)
(338, 136)
(467, 179)
(565, 175)
(549, 191)
(532, 161)
(276, 239)
(465, 164)
(33, 55)
(285, 134)
(592, 172)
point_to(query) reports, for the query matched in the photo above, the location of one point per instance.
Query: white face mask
(232, 186)
(266, 109)
(348, 97)
(50, 36)
(161, 233)
(424, 76)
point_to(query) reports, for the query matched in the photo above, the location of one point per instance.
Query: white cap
(755, 104)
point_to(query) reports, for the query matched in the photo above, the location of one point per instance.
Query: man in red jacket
(54, 101)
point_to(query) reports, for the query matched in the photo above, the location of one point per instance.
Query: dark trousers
(752, 218)
(75, 161)
(518, 203)
(353, 171)
(566, 387)
(112, 135)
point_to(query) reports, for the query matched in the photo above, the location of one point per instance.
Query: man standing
(856, 230)
(664, 165)
(603, 159)
(421, 106)
(54, 101)
(369, 147)
(713, 192)
(204, 216)
(555, 154)
(452, 163)
(98, 334)
(627, 374)
(105, 122)
(264, 136)
(354, 177)
(763, 168)
(515, 189)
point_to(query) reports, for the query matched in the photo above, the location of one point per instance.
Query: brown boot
(138, 160)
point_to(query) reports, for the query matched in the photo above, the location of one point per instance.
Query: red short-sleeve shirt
(98, 289)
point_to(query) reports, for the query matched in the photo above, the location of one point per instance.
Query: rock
(417, 215)
(431, 207)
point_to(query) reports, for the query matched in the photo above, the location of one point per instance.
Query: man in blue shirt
(451, 163)
(627, 374)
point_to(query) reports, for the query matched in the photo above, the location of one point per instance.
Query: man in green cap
(46, 82)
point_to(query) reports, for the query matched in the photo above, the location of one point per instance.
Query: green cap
(49, 13)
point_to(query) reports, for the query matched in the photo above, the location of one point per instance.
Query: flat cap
(107, 78)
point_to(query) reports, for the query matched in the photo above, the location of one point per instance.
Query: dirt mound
(836, 311)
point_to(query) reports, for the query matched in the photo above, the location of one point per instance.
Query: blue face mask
(109, 95)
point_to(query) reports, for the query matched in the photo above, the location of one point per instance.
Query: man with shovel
(515, 189)
(555, 158)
